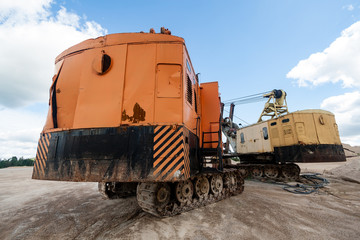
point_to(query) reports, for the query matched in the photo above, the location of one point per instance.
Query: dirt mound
(349, 171)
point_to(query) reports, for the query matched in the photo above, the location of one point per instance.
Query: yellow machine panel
(302, 136)
(254, 139)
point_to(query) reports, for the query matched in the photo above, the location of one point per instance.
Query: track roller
(290, 171)
(230, 181)
(216, 184)
(257, 172)
(152, 196)
(271, 171)
(202, 187)
(184, 191)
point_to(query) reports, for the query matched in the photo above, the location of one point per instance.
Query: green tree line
(14, 161)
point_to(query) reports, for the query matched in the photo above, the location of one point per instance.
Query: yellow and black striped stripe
(186, 170)
(168, 154)
(41, 154)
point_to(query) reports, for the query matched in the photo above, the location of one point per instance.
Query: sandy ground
(319, 167)
(33, 209)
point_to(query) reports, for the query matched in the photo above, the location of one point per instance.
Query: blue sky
(248, 46)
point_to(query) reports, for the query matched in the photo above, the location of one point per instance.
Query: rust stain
(139, 114)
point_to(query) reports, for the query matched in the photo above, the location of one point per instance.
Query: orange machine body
(126, 107)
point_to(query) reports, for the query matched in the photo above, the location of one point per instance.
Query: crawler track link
(275, 172)
(169, 199)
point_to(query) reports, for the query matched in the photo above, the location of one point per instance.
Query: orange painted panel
(49, 120)
(169, 53)
(168, 109)
(67, 90)
(100, 96)
(214, 127)
(120, 39)
(138, 101)
(144, 84)
(210, 105)
(168, 81)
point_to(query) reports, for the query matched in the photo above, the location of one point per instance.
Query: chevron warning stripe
(168, 152)
(41, 154)
(186, 170)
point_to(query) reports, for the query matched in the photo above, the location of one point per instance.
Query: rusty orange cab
(127, 108)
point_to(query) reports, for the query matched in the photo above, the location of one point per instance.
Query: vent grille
(189, 90)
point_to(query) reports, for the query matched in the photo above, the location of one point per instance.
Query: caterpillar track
(169, 199)
(276, 172)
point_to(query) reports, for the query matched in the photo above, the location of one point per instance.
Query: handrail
(218, 147)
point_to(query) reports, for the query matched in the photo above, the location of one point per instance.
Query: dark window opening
(189, 90)
(265, 133)
(195, 101)
(242, 138)
(273, 124)
(285, 120)
(106, 62)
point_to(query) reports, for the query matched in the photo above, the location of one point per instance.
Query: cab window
(242, 138)
(265, 133)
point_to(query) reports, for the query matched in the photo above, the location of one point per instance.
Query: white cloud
(343, 103)
(339, 63)
(70, 19)
(349, 7)
(346, 108)
(15, 11)
(31, 36)
(20, 131)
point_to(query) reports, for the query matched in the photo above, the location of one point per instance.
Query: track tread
(246, 170)
(146, 193)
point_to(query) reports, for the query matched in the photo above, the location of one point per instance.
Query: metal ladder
(208, 154)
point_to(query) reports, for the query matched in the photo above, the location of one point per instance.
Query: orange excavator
(127, 111)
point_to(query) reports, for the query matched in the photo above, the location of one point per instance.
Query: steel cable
(307, 188)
